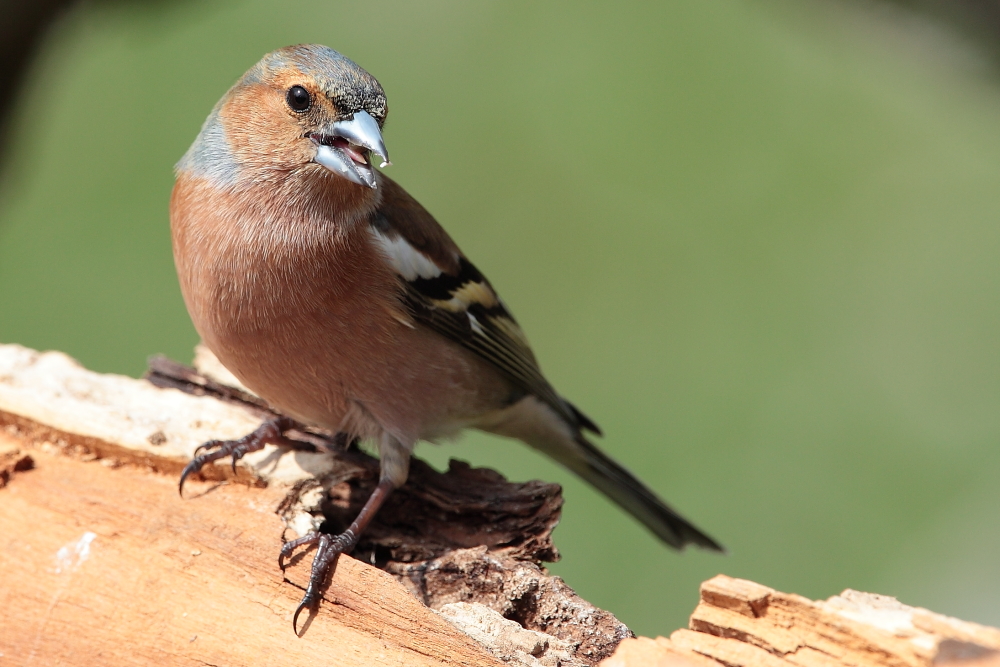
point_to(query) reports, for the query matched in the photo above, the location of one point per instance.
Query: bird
(331, 293)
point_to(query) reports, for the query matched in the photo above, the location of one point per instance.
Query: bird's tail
(537, 425)
(621, 486)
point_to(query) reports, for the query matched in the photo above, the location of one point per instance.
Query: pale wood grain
(103, 563)
(740, 623)
(166, 581)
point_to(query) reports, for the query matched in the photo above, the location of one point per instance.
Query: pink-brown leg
(329, 547)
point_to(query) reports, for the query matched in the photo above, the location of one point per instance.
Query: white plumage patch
(474, 323)
(407, 260)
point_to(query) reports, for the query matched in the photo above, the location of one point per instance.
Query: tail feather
(538, 425)
(583, 420)
(621, 486)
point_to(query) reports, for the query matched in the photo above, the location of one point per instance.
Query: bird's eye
(298, 98)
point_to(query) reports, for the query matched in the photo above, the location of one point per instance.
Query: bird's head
(301, 107)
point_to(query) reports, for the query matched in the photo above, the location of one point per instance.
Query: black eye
(298, 98)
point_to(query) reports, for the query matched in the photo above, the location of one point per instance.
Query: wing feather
(445, 292)
(491, 339)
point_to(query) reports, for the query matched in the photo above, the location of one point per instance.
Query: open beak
(346, 149)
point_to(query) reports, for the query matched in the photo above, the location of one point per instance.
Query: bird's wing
(445, 292)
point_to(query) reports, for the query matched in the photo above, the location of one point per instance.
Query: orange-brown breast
(300, 306)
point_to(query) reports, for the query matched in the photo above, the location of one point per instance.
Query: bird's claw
(328, 548)
(213, 450)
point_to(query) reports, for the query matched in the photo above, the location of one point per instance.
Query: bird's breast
(278, 289)
(304, 309)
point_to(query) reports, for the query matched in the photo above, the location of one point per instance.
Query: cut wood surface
(740, 623)
(102, 566)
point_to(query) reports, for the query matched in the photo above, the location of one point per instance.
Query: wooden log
(103, 558)
(103, 563)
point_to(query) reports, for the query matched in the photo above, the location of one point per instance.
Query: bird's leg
(271, 431)
(331, 546)
(394, 467)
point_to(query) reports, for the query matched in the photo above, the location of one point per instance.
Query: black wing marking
(465, 308)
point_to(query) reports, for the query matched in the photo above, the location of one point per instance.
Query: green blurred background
(756, 240)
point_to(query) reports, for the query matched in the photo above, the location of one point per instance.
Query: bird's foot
(329, 547)
(269, 432)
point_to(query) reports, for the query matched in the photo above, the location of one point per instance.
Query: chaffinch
(331, 293)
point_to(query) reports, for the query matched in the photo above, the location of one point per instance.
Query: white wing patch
(407, 260)
(474, 323)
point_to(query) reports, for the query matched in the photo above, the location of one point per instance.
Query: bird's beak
(345, 149)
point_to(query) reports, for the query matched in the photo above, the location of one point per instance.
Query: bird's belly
(354, 369)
